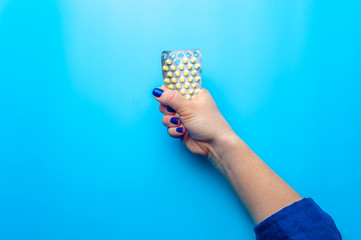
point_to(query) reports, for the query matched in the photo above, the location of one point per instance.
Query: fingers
(171, 102)
(166, 109)
(170, 98)
(171, 121)
(176, 132)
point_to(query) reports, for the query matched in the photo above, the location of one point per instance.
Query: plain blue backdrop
(83, 152)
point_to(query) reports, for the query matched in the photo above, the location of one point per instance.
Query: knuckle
(170, 97)
(171, 132)
(165, 120)
(173, 98)
(162, 108)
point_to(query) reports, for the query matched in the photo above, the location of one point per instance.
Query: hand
(203, 130)
(198, 123)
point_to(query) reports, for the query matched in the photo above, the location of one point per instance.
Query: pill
(181, 70)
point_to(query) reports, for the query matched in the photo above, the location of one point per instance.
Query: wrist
(221, 147)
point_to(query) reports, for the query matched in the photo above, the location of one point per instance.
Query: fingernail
(169, 109)
(157, 92)
(174, 120)
(180, 129)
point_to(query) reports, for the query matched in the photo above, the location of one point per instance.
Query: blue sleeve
(301, 220)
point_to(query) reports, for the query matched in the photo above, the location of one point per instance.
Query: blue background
(83, 152)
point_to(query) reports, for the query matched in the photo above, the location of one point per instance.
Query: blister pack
(182, 71)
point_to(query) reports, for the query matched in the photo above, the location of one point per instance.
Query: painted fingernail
(169, 109)
(157, 92)
(174, 120)
(180, 130)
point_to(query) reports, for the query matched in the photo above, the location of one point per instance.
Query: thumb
(170, 98)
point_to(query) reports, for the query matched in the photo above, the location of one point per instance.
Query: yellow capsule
(193, 60)
(185, 60)
(186, 73)
(186, 85)
(190, 92)
(197, 66)
(181, 67)
(197, 91)
(171, 86)
(190, 79)
(197, 79)
(194, 85)
(177, 74)
(170, 74)
(174, 80)
(183, 92)
(181, 79)
(189, 67)
(173, 68)
(193, 72)
(165, 68)
(178, 86)
(166, 80)
(169, 62)
(188, 98)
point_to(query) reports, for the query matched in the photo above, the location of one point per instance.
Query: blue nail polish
(180, 130)
(174, 120)
(157, 92)
(169, 109)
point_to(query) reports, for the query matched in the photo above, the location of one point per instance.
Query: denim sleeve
(301, 220)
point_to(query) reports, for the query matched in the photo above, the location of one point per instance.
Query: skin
(206, 132)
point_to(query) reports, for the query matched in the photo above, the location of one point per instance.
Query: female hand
(204, 131)
(198, 123)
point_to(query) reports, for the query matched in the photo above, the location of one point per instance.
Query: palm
(195, 146)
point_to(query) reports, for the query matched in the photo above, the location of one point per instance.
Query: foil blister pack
(182, 71)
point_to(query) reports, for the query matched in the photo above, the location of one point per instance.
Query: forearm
(261, 190)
